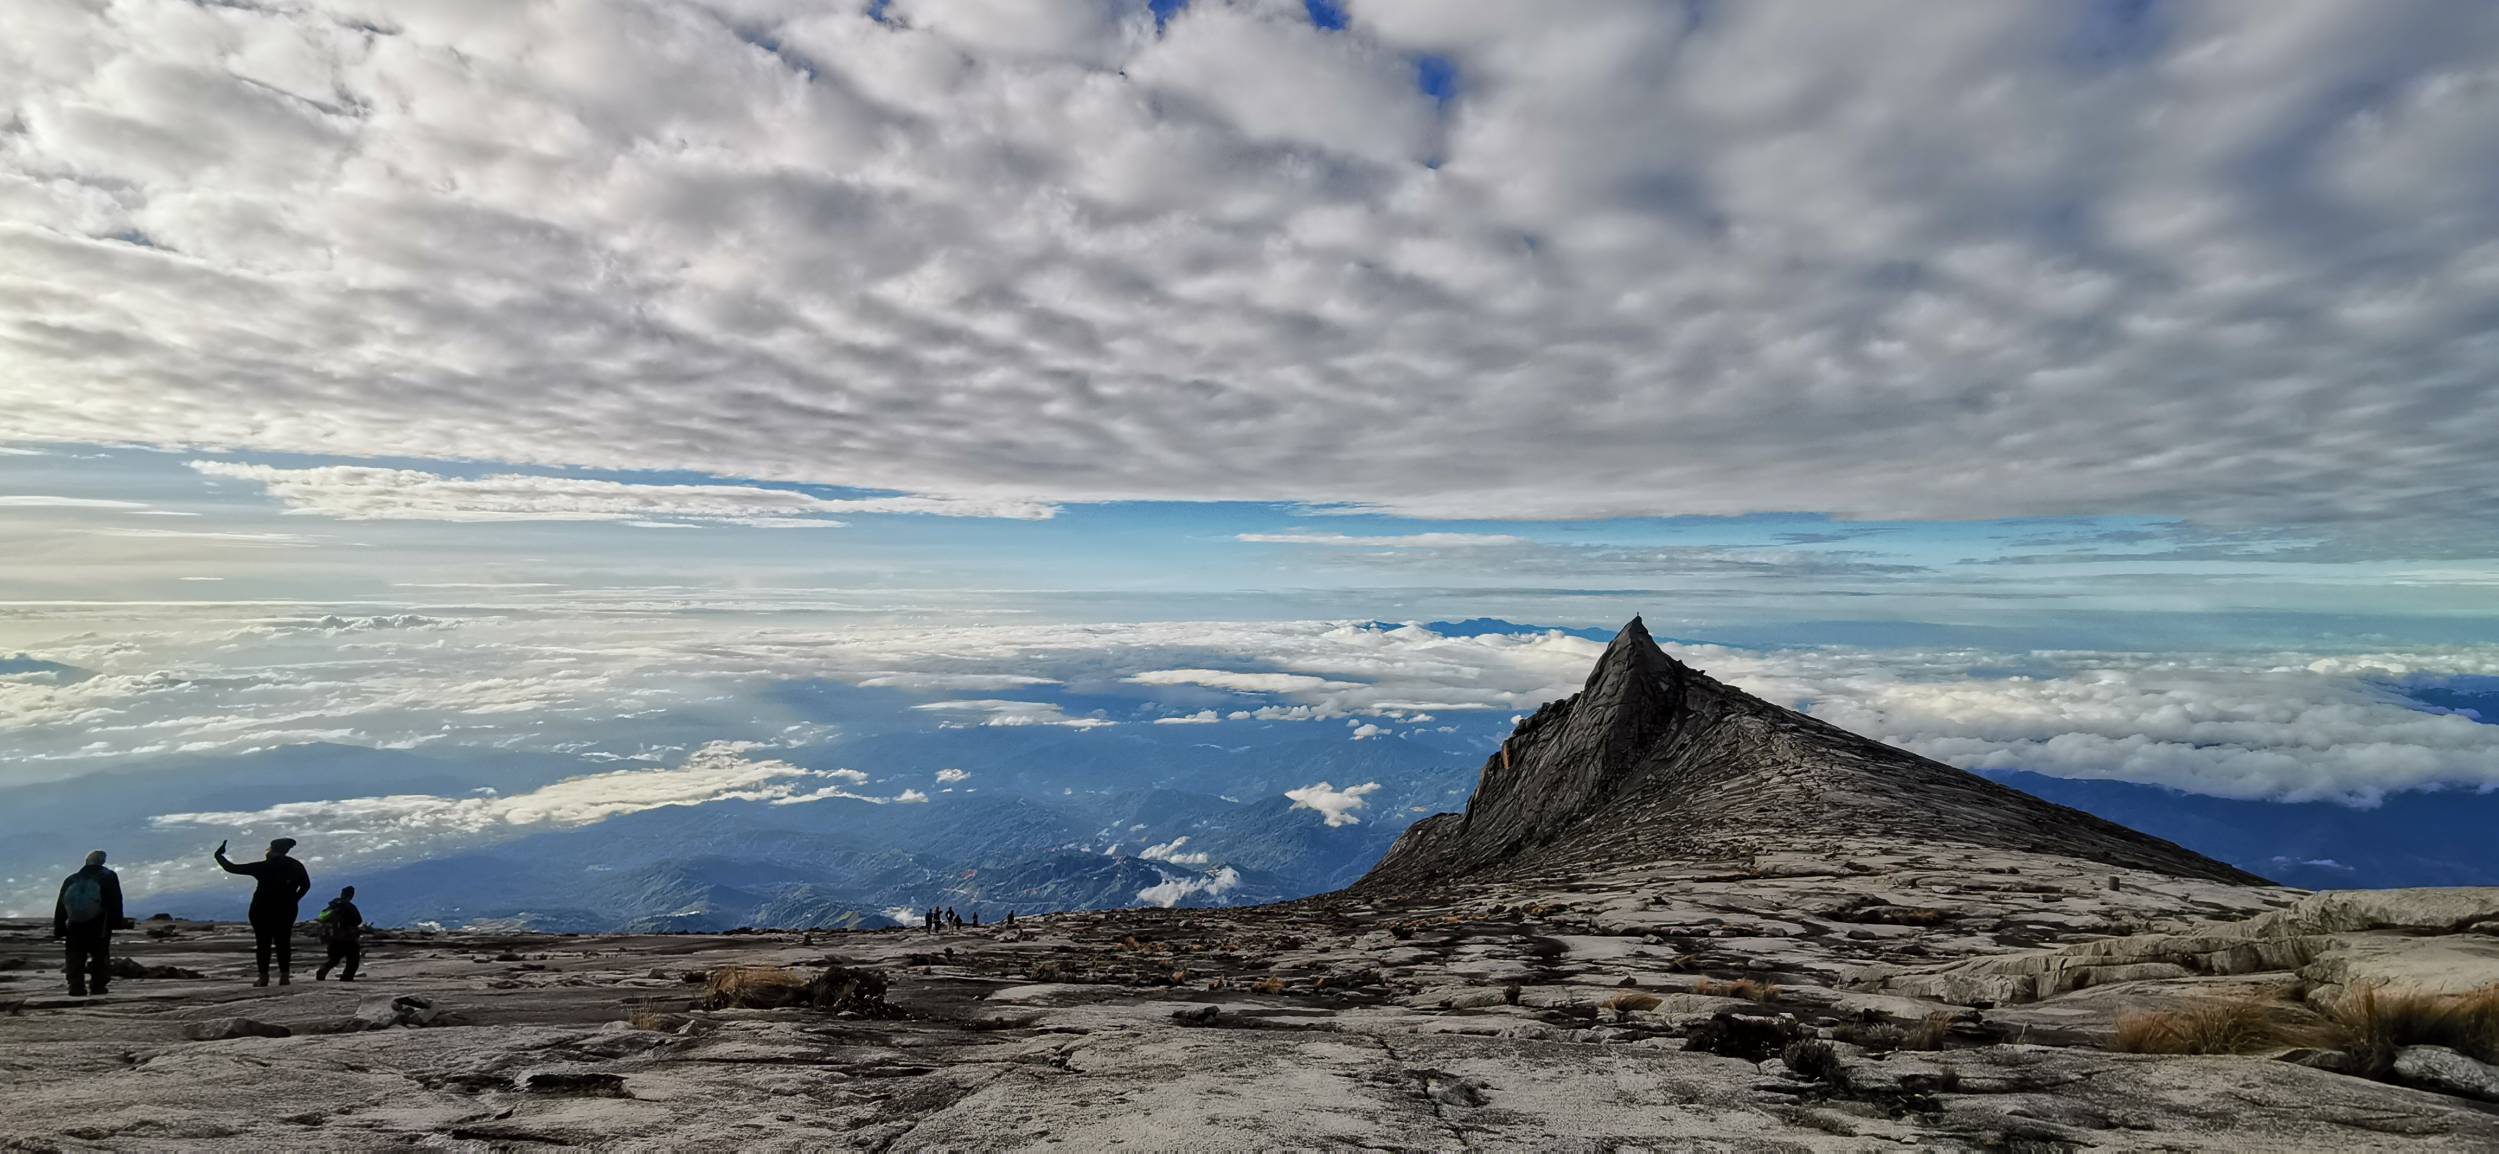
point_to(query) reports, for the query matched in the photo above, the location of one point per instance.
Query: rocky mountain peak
(1654, 758)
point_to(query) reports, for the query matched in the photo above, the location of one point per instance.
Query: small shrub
(1267, 986)
(1732, 1035)
(1510, 994)
(1812, 1060)
(656, 1021)
(1872, 1037)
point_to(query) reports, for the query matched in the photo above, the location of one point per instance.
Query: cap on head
(347, 891)
(282, 844)
(95, 857)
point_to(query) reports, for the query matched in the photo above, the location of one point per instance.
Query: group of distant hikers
(90, 909)
(944, 918)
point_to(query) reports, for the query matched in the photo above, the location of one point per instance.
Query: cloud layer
(358, 493)
(631, 686)
(2226, 260)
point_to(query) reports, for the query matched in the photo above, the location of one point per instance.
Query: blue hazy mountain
(2441, 838)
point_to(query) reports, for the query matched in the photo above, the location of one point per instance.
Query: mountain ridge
(1655, 758)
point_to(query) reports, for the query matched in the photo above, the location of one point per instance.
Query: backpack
(83, 899)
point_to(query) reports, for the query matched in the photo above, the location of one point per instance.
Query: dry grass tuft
(657, 1021)
(1630, 1002)
(1267, 986)
(2233, 1027)
(2371, 1024)
(1745, 988)
(2374, 1023)
(1929, 1034)
(755, 988)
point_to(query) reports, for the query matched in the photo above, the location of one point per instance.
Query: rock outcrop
(1653, 758)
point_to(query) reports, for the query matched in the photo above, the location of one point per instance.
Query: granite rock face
(1655, 758)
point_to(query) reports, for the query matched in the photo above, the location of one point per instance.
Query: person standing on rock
(88, 912)
(342, 930)
(275, 902)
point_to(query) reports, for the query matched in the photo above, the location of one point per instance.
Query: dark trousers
(90, 950)
(347, 955)
(269, 935)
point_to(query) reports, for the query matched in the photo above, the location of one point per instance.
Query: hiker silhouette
(342, 930)
(281, 884)
(85, 916)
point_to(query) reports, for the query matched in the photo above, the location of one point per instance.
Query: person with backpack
(88, 912)
(342, 930)
(282, 884)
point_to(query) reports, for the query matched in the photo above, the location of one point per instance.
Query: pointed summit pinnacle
(1632, 652)
(1653, 757)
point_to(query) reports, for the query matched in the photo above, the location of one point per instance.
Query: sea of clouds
(2280, 725)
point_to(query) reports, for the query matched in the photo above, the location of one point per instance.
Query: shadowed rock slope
(1654, 759)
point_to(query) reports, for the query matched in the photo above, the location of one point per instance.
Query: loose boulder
(2446, 1071)
(405, 1010)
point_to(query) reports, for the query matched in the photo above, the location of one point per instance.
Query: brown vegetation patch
(2239, 1026)
(837, 989)
(2374, 1023)
(1745, 988)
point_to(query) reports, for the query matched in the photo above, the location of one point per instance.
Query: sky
(2104, 389)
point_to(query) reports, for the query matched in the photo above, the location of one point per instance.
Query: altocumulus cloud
(359, 493)
(2228, 261)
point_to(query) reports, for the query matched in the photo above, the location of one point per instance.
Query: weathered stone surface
(220, 1029)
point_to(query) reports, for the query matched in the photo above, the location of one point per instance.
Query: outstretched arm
(226, 865)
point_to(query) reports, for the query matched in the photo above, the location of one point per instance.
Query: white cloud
(955, 681)
(720, 771)
(1170, 851)
(2213, 260)
(1335, 805)
(1173, 891)
(911, 797)
(1240, 682)
(42, 502)
(1002, 712)
(1395, 541)
(1201, 717)
(1367, 729)
(950, 776)
(361, 493)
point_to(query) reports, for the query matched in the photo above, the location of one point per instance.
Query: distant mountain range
(1048, 818)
